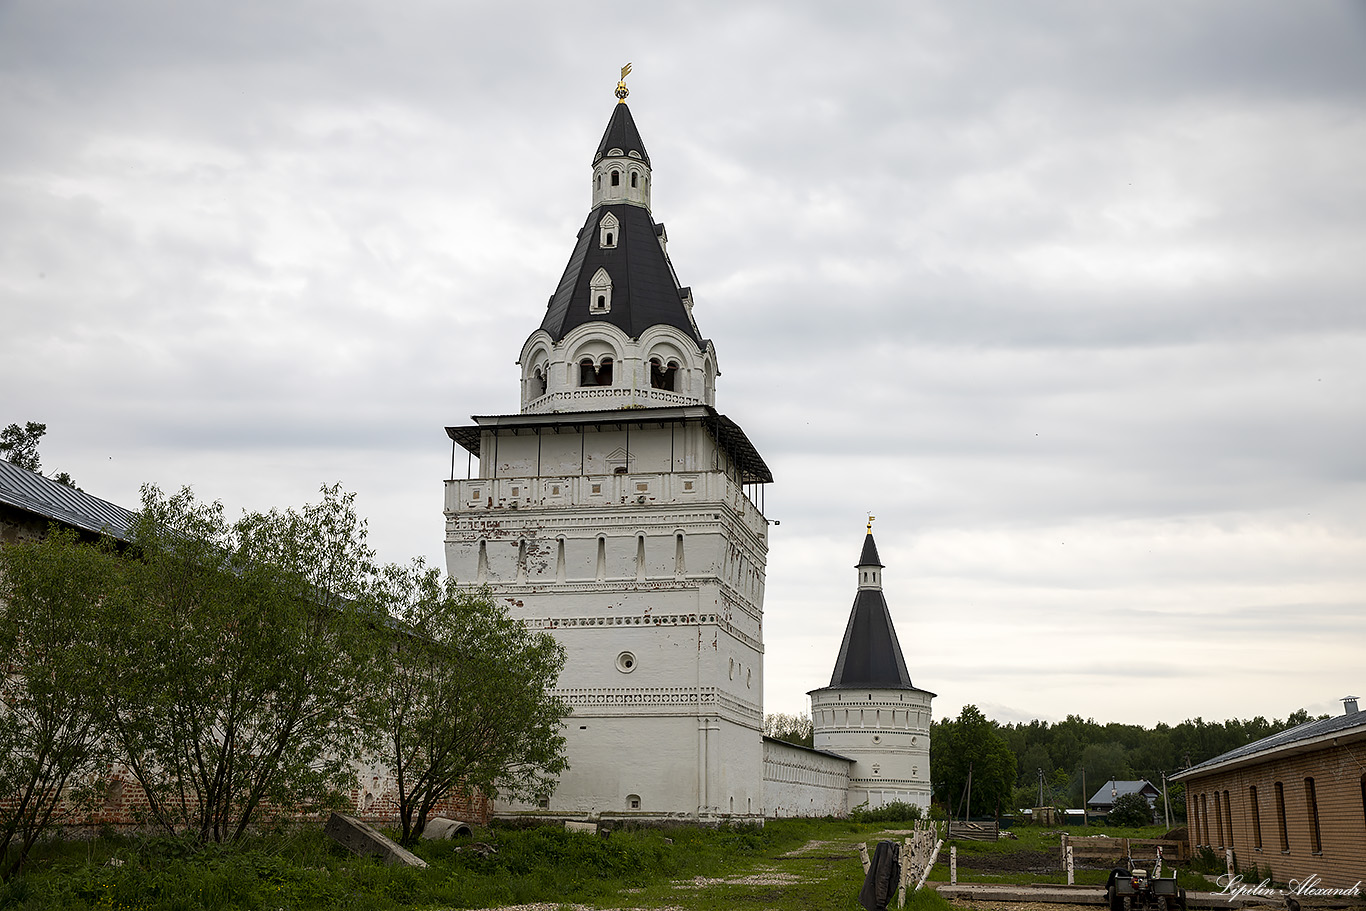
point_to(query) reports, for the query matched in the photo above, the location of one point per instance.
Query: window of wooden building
(1280, 818)
(1256, 817)
(1311, 802)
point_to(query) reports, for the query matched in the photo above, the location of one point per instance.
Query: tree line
(1010, 762)
(238, 670)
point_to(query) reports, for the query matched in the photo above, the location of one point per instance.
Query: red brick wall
(374, 799)
(1339, 777)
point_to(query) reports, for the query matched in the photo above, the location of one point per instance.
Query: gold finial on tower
(622, 90)
(871, 517)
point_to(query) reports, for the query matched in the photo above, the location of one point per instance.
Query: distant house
(1103, 801)
(1293, 803)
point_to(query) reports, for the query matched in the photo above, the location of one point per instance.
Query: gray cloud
(1069, 297)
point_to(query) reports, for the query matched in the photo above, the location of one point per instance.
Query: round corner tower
(871, 713)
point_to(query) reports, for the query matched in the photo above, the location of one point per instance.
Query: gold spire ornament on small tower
(871, 517)
(622, 90)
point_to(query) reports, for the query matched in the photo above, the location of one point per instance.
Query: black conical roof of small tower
(621, 133)
(869, 556)
(870, 655)
(645, 290)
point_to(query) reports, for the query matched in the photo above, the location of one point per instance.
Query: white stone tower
(870, 712)
(618, 510)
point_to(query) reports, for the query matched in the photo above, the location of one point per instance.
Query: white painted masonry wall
(653, 582)
(887, 734)
(804, 782)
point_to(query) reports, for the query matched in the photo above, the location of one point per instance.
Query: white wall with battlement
(804, 782)
(886, 732)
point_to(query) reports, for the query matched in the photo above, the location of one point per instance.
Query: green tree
(233, 667)
(51, 745)
(791, 728)
(1103, 762)
(971, 744)
(20, 444)
(467, 698)
(1130, 810)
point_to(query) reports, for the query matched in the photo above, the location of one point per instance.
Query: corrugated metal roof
(1104, 797)
(45, 498)
(1300, 734)
(798, 746)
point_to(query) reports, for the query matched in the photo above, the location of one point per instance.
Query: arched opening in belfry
(595, 375)
(616, 178)
(662, 375)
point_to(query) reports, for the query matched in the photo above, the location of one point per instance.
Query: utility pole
(1084, 813)
(1040, 803)
(1166, 807)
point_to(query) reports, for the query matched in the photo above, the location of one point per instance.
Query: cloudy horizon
(1069, 297)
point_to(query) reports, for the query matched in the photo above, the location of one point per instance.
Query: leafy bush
(1130, 810)
(896, 811)
(1204, 860)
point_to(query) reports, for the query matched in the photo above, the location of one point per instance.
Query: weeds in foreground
(686, 867)
(304, 870)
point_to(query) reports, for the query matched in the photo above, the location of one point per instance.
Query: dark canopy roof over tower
(621, 133)
(645, 292)
(870, 654)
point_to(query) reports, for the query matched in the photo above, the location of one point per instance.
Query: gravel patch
(761, 878)
(812, 846)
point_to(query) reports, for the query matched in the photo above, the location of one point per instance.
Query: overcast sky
(1072, 296)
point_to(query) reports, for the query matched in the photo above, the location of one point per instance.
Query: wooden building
(1293, 804)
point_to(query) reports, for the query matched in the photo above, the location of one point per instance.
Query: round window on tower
(626, 662)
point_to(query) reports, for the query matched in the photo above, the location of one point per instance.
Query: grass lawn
(789, 864)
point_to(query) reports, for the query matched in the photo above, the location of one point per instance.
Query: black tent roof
(869, 556)
(621, 133)
(870, 654)
(645, 292)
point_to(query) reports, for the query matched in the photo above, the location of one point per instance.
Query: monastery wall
(803, 782)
